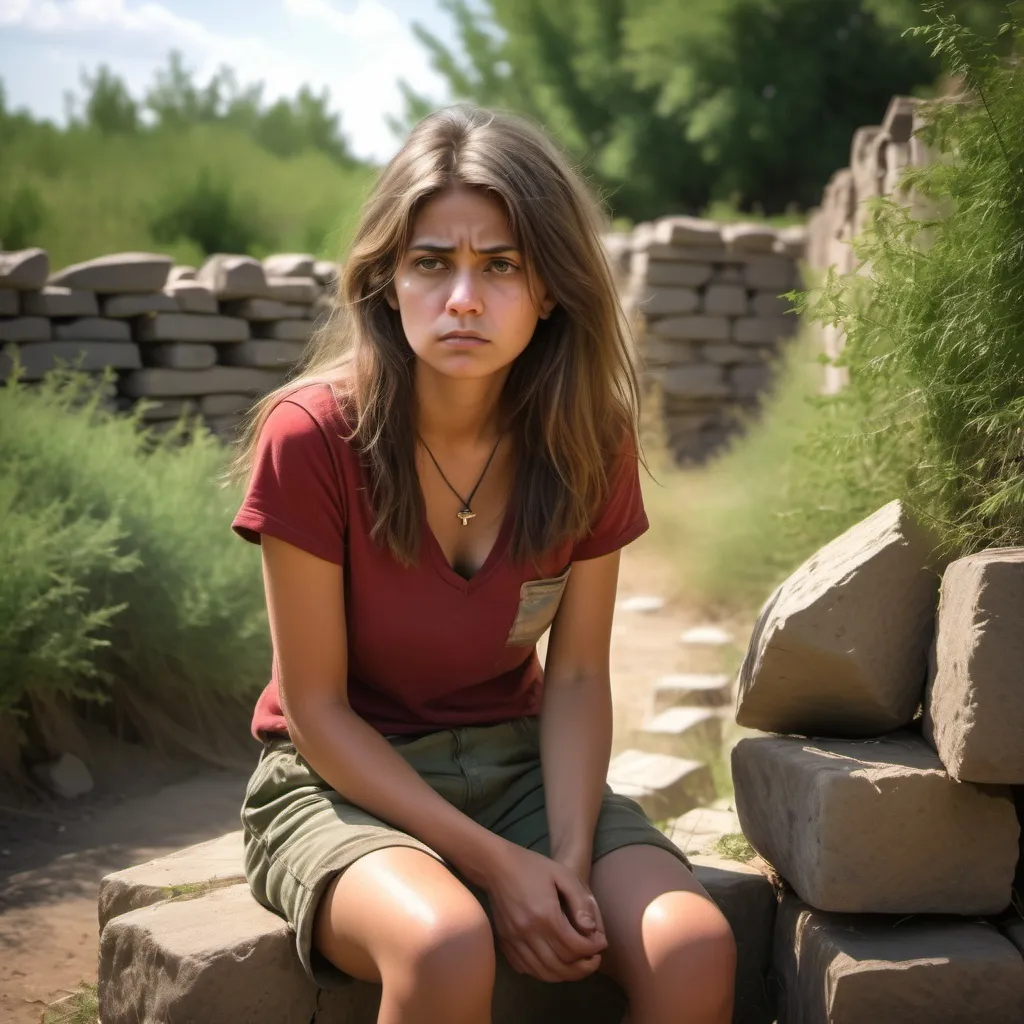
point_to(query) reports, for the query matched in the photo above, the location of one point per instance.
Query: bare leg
(669, 946)
(400, 918)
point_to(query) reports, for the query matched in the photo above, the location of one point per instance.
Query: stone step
(852, 969)
(699, 830)
(681, 732)
(876, 826)
(663, 785)
(711, 691)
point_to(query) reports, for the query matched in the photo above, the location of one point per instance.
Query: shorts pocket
(538, 603)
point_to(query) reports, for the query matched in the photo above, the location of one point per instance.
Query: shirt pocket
(538, 603)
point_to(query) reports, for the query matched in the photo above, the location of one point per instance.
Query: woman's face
(463, 273)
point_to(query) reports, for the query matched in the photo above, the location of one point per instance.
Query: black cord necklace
(465, 513)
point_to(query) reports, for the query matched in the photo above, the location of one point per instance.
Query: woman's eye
(508, 266)
(427, 259)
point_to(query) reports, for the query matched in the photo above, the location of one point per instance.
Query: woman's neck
(457, 412)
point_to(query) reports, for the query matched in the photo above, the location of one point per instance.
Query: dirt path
(53, 856)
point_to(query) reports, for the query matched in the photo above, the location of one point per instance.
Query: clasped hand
(546, 921)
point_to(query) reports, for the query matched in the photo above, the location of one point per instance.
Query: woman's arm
(576, 712)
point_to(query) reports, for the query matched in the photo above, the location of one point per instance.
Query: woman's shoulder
(313, 407)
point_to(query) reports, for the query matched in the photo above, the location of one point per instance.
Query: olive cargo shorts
(299, 832)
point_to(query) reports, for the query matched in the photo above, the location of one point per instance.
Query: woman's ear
(547, 306)
(390, 297)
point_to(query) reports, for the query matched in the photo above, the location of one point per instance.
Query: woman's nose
(465, 294)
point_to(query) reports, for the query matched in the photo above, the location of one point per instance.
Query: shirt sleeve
(623, 517)
(295, 492)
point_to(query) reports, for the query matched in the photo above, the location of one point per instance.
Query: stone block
(225, 427)
(748, 381)
(974, 705)
(695, 328)
(25, 328)
(40, 357)
(762, 330)
(161, 410)
(702, 380)
(180, 273)
(191, 327)
(92, 328)
(768, 304)
(233, 277)
(875, 826)
(667, 273)
(654, 302)
(194, 869)
(691, 254)
(656, 351)
(664, 786)
(177, 355)
(705, 691)
(284, 330)
(193, 297)
(898, 122)
(157, 382)
(117, 273)
(725, 300)
(749, 237)
(264, 309)
(747, 900)
(699, 831)
(24, 269)
(725, 355)
(264, 352)
(770, 273)
(10, 304)
(851, 969)
(682, 231)
(840, 648)
(289, 264)
(326, 272)
(224, 405)
(57, 301)
(681, 732)
(792, 241)
(139, 304)
(1012, 926)
(300, 290)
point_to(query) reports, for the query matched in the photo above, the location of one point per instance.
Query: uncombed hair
(571, 397)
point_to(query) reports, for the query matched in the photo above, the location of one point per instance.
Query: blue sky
(357, 48)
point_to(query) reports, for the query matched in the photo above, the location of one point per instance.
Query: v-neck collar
(443, 566)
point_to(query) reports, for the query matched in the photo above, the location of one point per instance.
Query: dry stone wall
(207, 340)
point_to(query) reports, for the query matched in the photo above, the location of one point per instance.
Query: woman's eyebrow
(489, 250)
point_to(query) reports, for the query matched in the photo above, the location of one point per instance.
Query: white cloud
(370, 18)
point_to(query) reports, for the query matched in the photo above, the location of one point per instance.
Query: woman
(455, 471)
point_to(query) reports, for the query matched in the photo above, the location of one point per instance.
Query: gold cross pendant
(465, 515)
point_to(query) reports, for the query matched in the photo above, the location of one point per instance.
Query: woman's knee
(450, 946)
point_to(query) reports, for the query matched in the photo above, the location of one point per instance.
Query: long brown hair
(571, 398)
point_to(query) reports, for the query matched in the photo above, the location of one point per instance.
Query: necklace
(465, 513)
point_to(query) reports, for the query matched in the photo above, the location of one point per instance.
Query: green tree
(108, 105)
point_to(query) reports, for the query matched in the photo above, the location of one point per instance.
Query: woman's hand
(546, 921)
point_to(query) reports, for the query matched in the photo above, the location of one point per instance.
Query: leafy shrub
(22, 215)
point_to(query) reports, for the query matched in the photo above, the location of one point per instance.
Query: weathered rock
(225, 427)
(25, 328)
(326, 272)
(656, 351)
(898, 121)
(750, 380)
(137, 305)
(695, 328)
(747, 900)
(663, 785)
(681, 732)
(24, 269)
(40, 357)
(180, 273)
(118, 273)
(56, 301)
(289, 264)
(180, 355)
(725, 355)
(300, 290)
(749, 237)
(725, 300)
(683, 230)
(264, 309)
(1011, 925)
(10, 304)
(159, 411)
(191, 327)
(768, 304)
(92, 328)
(669, 274)
(224, 405)
(840, 648)
(193, 297)
(189, 872)
(160, 383)
(849, 969)
(233, 277)
(284, 330)
(667, 301)
(875, 826)
(708, 691)
(974, 707)
(769, 273)
(762, 330)
(792, 241)
(697, 380)
(67, 777)
(700, 831)
(264, 352)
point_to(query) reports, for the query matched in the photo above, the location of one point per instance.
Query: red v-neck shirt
(426, 648)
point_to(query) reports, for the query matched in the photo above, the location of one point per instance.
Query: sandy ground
(53, 855)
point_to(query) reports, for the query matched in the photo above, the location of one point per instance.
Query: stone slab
(725, 300)
(193, 297)
(233, 277)
(696, 690)
(852, 969)
(684, 230)
(25, 328)
(841, 647)
(664, 786)
(117, 273)
(762, 330)
(681, 732)
(749, 237)
(770, 273)
(137, 305)
(177, 355)
(699, 831)
(698, 380)
(284, 330)
(10, 303)
(655, 302)
(768, 304)
(157, 382)
(726, 354)
(224, 427)
(326, 272)
(695, 328)
(747, 381)
(264, 352)
(58, 301)
(875, 826)
(264, 309)
(300, 290)
(191, 327)
(24, 269)
(180, 273)
(92, 328)
(691, 253)
(289, 264)
(974, 701)
(40, 357)
(669, 274)
(224, 405)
